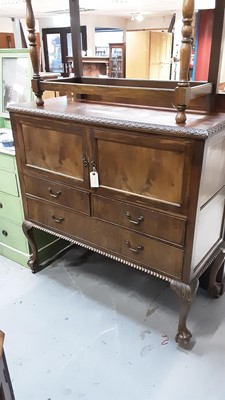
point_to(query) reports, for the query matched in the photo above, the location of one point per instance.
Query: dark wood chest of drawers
(159, 204)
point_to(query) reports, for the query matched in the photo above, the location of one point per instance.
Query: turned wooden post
(34, 55)
(182, 91)
(76, 42)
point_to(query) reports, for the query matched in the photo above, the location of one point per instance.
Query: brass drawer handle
(85, 161)
(1, 205)
(141, 218)
(5, 233)
(58, 220)
(137, 250)
(54, 194)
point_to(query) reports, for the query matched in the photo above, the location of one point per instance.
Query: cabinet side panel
(209, 229)
(213, 177)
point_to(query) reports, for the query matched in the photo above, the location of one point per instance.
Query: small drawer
(149, 222)
(12, 235)
(60, 219)
(8, 183)
(58, 194)
(11, 207)
(7, 161)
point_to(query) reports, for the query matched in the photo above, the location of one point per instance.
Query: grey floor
(90, 328)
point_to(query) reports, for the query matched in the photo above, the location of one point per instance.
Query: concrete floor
(90, 328)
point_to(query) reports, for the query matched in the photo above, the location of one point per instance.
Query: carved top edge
(121, 124)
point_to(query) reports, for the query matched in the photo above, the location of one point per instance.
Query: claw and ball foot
(186, 294)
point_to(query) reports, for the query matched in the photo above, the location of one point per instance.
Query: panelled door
(160, 55)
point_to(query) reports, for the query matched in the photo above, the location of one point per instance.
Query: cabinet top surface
(152, 120)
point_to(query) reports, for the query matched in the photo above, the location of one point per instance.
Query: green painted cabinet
(13, 243)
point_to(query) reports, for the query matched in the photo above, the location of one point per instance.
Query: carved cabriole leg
(33, 259)
(186, 294)
(181, 96)
(34, 54)
(215, 288)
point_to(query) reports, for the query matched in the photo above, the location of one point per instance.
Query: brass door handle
(54, 194)
(137, 250)
(141, 218)
(85, 161)
(58, 220)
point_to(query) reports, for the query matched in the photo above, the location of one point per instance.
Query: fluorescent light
(139, 17)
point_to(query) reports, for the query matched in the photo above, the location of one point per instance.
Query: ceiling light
(139, 17)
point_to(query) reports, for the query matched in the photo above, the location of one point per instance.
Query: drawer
(12, 235)
(152, 253)
(8, 183)
(11, 207)
(134, 247)
(149, 222)
(59, 194)
(7, 161)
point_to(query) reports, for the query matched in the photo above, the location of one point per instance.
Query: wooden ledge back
(182, 91)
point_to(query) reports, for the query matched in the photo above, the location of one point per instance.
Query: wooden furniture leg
(186, 293)
(215, 289)
(33, 259)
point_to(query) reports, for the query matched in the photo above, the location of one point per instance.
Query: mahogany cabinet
(92, 66)
(117, 61)
(157, 203)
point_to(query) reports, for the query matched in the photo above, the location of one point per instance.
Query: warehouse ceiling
(118, 8)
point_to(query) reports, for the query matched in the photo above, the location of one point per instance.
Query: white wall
(54, 22)
(6, 25)
(157, 22)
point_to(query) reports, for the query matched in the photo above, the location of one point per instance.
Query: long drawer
(149, 222)
(59, 194)
(142, 250)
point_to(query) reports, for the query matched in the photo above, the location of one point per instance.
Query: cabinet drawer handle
(54, 194)
(141, 218)
(5, 233)
(137, 250)
(85, 161)
(1, 205)
(59, 220)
